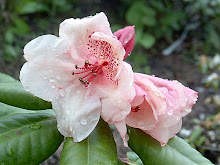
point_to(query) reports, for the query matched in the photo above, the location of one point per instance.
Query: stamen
(135, 109)
(90, 69)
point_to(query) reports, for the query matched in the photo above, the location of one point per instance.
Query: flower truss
(83, 74)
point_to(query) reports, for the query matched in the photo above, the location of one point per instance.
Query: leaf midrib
(26, 125)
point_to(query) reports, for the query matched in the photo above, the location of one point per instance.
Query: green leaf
(6, 78)
(139, 14)
(28, 138)
(98, 148)
(13, 93)
(133, 158)
(147, 40)
(21, 27)
(7, 110)
(31, 7)
(177, 151)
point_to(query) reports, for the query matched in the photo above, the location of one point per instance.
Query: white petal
(49, 67)
(78, 112)
(43, 81)
(77, 32)
(116, 102)
(47, 49)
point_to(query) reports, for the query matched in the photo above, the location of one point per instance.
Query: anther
(136, 109)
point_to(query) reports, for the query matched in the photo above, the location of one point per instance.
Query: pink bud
(127, 37)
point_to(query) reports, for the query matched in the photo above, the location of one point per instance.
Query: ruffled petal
(49, 67)
(143, 119)
(106, 48)
(115, 106)
(78, 32)
(152, 94)
(163, 134)
(78, 112)
(48, 49)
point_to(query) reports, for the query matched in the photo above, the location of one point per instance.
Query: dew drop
(62, 93)
(45, 77)
(27, 88)
(10, 152)
(83, 121)
(58, 77)
(68, 112)
(52, 80)
(35, 126)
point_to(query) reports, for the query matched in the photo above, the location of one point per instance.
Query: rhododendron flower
(159, 106)
(127, 37)
(82, 73)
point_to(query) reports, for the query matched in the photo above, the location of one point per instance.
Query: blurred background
(175, 39)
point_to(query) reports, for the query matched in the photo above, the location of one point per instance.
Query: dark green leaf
(133, 158)
(13, 93)
(7, 110)
(177, 151)
(98, 148)
(28, 138)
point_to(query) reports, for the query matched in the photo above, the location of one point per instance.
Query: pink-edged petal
(107, 49)
(179, 98)
(127, 37)
(143, 119)
(78, 112)
(153, 95)
(163, 134)
(115, 106)
(78, 32)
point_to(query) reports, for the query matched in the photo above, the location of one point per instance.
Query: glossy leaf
(133, 158)
(98, 148)
(13, 93)
(8, 110)
(27, 138)
(177, 151)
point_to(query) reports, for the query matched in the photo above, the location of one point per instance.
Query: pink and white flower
(159, 106)
(82, 73)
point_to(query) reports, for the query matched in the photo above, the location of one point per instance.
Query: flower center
(135, 109)
(89, 72)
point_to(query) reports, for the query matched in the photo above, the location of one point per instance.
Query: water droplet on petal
(62, 93)
(27, 88)
(35, 126)
(58, 77)
(83, 121)
(68, 112)
(52, 80)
